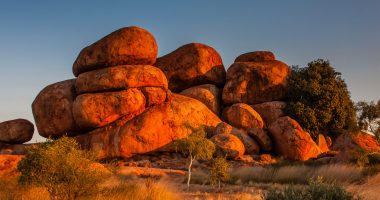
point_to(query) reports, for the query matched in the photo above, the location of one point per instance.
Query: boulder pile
(13, 134)
(125, 101)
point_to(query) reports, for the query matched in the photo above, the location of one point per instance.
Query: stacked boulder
(256, 85)
(119, 105)
(13, 134)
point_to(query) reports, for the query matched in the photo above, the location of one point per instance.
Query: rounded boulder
(16, 131)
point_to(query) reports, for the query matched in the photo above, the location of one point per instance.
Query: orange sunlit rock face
(156, 127)
(16, 131)
(270, 111)
(120, 77)
(192, 64)
(208, 94)
(256, 56)
(99, 109)
(291, 141)
(228, 145)
(255, 82)
(126, 46)
(242, 116)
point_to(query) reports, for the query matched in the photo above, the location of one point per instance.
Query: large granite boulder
(261, 136)
(270, 111)
(52, 110)
(228, 145)
(250, 145)
(156, 127)
(192, 64)
(16, 131)
(256, 56)
(126, 46)
(208, 94)
(243, 116)
(255, 82)
(119, 78)
(291, 141)
(93, 110)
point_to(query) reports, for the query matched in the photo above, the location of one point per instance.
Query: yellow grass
(370, 190)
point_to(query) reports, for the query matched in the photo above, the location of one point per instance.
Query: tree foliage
(62, 167)
(219, 171)
(369, 116)
(319, 99)
(195, 146)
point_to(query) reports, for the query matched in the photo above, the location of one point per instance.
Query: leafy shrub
(219, 171)
(60, 166)
(315, 190)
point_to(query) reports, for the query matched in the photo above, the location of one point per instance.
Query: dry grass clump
(297, 174)
(368, 190)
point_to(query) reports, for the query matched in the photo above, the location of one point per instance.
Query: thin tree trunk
(219, 186)
(189, 172)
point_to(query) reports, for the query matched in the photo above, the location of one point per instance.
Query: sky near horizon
(39, 40)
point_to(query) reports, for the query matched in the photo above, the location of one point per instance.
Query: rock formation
(16, 131)
(208, 94)
(228, 145)
(242, 116)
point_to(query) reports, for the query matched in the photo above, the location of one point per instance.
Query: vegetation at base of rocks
(319, 100)
(369, 116)
(61, 167)
(219, 171)
(297, 174)
(195, 146)
(314, 190)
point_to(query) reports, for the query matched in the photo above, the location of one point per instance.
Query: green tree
(319, 99)
(369, 116)
(219, 171)
(62, 167)
(195, 146)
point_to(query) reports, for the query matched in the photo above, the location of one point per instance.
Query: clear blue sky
(39, 40)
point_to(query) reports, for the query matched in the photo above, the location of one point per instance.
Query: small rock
(16, 131)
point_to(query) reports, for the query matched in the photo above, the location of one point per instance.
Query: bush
(60, 166)
(319, 99)
(315, 190)
(219, 171)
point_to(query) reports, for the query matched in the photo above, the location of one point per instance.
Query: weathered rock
(208, 94)
(351, 145)
(261, 136)
(156, 95)
(255, 82)
(119, 78)
(156, 127)
(322, 144)
(242, 116)
(100, 109)
(291, 141)
(14, 149)
(270, 111)
(251, 146)
(126, 46)
(256, 56)
(228, 145)
(52, 110)
(16, 131)
(192, 64)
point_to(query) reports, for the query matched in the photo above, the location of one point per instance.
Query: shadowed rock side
(256, 56)
(126, 46)
(156, 127)
(261, 136)
(241, 115)
(228, 145)
(52, 110)
(255, 82)
(100, 109)
(120, 77)
(192, 64)
(16, 131)
(208, 94)
(291, 141)
(270, 111)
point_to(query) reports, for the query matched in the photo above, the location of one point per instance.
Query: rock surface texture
(228, 145)
(256, 56)
(255, 82)
(291, 141)
(126, 46)
(241, 115)
(16, 131)
(154, 128)
(270, 111)
(52, 110)
(261, 136)
(208, 94)
(192, 64)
